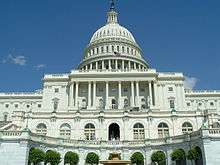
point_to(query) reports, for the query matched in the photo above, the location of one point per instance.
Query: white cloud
(40, 66)
(190, 82)
(17, 60)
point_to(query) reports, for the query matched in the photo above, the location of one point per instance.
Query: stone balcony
(27, 135)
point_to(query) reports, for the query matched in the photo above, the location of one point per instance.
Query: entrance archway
(114, 132)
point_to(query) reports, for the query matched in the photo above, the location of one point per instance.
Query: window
(172, 104)
(163, 130)
(212, 104)
(113, 49)
(216, 125)
(6, 105)
(200, 104)
(125, 89)
(123, 49)
(187, 128)
(117, 48)
(126, 103)
(114, 104)
(39, 105)
(142, 90)
(65, 131)
(102, 49)
(107, 49)
(170, 89)
(41, 129)
(28, 106)
(56, 90)
(89, 132)
(188, 104)
(138, 131)
(5, 117)
(16, 105)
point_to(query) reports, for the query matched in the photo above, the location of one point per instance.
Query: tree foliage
(71, 158)
(36, 156)
(159, 157)
(92, 158)
(137, 158)
(52, 157)
(194, 154)
(178, 154)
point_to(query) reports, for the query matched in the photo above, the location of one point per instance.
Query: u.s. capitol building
(114, 100)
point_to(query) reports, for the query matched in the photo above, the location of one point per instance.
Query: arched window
(187, 128)
(41, 129)
(163, 130)
(216, 125)
(65, 131)
(89, 132)
(126, 103)
(138, 131)
(114, 104)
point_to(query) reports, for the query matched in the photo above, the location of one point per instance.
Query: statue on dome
(112, 4)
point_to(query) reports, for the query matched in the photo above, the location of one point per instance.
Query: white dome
(112, 30)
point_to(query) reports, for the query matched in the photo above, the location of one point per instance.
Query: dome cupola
(113, 47)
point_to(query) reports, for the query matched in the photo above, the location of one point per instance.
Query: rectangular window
(172, 104)
(6, 105)
(56, 90)
(170, 89)
(16, 105)
(39, 105)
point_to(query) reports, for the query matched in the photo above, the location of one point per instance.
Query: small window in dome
(113, 49)
(117, 48)
(102, 49)
(108, 32)
(107, 49)
(123, 49)
(132, 51)
(128, 50)
(97, 50)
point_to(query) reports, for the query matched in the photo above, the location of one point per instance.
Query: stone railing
(187, 91)
(16, 135)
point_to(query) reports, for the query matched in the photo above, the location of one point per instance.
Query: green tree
(71, 158)
(36, 156)
(194, 154)
(178, 154)
(92, 158)
(159, 157)
(137, 158)
(52, 157)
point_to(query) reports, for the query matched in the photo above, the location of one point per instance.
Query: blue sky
(48, 36)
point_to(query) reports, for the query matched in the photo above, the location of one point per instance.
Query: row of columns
(115, 66)
(74, 88)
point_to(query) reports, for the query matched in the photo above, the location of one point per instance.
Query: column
(94, 94)
(116, 64)
(132, 94)
(71, 101)
(90, 66)
(76, 95)
(135, 65)
(86, 67)
(103, 64)
(123, 64)
(137, 92)
(150, 93)
(89, 94)
(106, 97)
(139, 67)
(155, 94)
(119, 95)
(96, 65)
(109, 64)
(129, 65)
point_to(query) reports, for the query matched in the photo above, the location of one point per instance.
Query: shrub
(36, 156)
(159, 157)
(137, 158)
(52, 157)
(178, 154)
(92, 158)
(71, 158)
(194, 154)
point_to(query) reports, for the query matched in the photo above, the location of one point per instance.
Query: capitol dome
(112, 30)
(113, 47)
